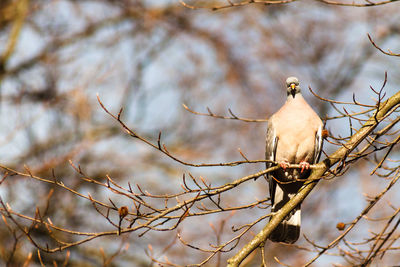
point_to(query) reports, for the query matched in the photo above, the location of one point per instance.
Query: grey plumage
(294, 136)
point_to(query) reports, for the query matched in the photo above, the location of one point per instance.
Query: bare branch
(334, 158)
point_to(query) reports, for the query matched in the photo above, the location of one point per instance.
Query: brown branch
(375, 252)
(231, 4)
(389, 53)
(232, 117)
(316, 174)
(356, 220)
(368, 4)
(162, 148)
(162, 214)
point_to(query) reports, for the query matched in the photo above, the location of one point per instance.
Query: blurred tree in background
(86, 184)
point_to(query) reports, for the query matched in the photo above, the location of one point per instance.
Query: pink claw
(304, 166)
(284, 164)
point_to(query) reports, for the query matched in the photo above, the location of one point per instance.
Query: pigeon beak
(293, 89)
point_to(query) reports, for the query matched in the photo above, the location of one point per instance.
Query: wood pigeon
(294, 136)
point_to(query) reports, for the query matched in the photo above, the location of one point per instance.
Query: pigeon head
(293, 88)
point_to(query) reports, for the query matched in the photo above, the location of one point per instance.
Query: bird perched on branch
(294, 136)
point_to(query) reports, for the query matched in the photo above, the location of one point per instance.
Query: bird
(294, 136)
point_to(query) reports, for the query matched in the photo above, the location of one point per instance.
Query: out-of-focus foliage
(149, 57)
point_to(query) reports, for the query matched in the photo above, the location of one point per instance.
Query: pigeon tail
(287, 231)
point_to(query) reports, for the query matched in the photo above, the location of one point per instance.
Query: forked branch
(380, 114)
